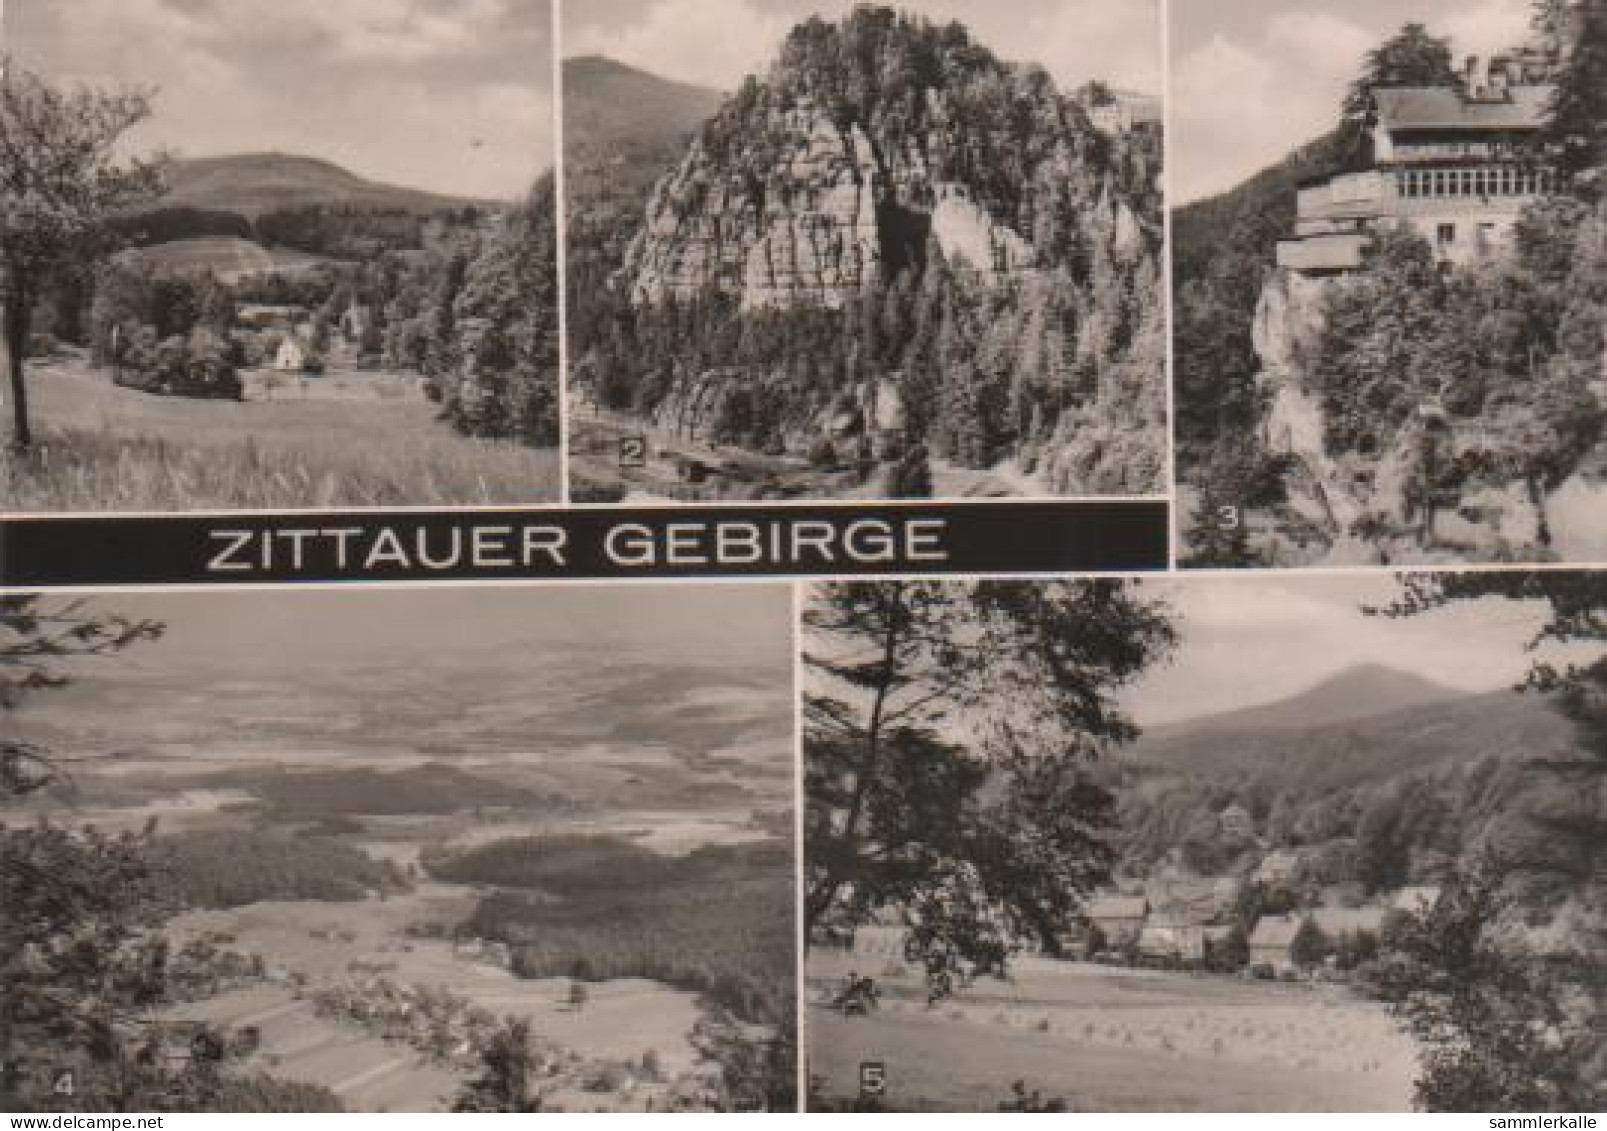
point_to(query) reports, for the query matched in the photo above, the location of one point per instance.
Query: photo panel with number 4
(398, 850)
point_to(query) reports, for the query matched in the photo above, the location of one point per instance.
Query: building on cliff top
(1456, 166)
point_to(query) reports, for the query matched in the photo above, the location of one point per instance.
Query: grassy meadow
(1108, 1039)
(104, 448)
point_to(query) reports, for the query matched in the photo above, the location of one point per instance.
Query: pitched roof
(1275, 930)
(1417, 899)
(1118, 907)
(1336, 921)
(1438, 107)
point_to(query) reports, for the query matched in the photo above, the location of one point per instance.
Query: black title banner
(613, 542)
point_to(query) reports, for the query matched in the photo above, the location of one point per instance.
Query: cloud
(394, 89)
(709, 42)
(1320, 43)
(717, 42)
(1294, 633)
(1486, 28)
(1079, 40)
(1232, 113)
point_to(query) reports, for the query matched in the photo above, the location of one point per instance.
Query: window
(1445, 235)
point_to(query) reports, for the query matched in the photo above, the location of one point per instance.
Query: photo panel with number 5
(1229, 843)
(1390, 282)
(827, 250)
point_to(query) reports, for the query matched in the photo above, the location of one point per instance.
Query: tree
(62, 178)
(1309, 946)
(1577, 127)
(1233, 952)
(756, 1073)
(1383, 847)
(948, 734)
(1494, 1004)
(1577, 604)
(1502, 1029)
(508, 1071)
(1412, 57)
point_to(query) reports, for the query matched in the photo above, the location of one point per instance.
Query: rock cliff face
(807, 232)
(899, 244)
(811, 186)
(1341, 496)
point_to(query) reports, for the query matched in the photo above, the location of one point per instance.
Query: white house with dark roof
(1458, 166)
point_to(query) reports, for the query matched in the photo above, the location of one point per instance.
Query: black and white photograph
(1308, 842)
(833, 250)
(1390, 281)
(477, 850)
(303, 257)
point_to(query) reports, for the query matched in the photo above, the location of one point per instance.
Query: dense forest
(718, 921)
(234, 868)
(1049, 352)
(1434, 387)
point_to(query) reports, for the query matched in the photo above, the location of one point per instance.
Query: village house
(1277, 868)
(1236, 823)
(1272, 940)
(1120, 111)
(291, 356)
(1337, 923)
(261, 316)
(1189, 900)
(1456, 166)
(1418, 900)
(1119, 919)
(1172, 939)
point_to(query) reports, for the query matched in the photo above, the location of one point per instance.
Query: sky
(1259, 639)
(229, 634)
(453, 96)
(1253, 79)
(717, 42)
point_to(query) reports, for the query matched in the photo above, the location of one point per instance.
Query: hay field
(1109, 1039)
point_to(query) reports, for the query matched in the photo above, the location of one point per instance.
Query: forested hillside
(894, 247)
(1397, 794)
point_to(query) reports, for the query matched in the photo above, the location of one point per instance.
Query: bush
(201, 365)
(822, 453)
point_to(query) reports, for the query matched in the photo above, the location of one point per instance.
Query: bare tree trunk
(820, 900)
(15, 341)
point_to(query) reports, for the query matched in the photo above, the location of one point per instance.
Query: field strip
(269, 1014)
(384, 1068)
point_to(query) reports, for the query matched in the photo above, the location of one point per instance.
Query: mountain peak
(1374, 688)
(253, 183)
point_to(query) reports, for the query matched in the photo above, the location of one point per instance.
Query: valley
(370, 871)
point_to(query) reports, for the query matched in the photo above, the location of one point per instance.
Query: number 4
(63, 1085)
